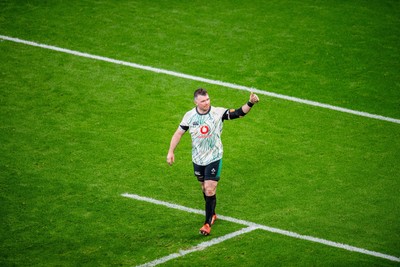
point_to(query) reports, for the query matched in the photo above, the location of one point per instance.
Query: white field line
(267, 228)
(204, 80)
(199, 247)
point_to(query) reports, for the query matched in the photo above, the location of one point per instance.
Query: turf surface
(76, 133)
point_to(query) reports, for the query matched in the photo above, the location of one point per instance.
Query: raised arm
(174, 143)
(243, 110)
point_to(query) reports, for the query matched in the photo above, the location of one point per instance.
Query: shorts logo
(197, 173)
(204, 129)
(213, 171)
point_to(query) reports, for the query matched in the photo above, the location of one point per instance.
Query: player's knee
(209, 192)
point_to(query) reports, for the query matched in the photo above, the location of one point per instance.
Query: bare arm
(174, 143)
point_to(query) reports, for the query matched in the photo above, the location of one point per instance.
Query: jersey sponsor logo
(204, 129)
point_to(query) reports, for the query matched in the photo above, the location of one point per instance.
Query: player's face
(203, 103)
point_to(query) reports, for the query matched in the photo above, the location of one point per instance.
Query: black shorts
(211, 171)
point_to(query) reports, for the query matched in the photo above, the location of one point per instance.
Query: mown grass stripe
(267, 228)
(205, 80)
(199, 247)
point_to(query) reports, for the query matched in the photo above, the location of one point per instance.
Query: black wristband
(250, 104)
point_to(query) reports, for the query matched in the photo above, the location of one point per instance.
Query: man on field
(204, 123)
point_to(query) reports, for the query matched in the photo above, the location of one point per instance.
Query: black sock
(215, 203)
(210, 205)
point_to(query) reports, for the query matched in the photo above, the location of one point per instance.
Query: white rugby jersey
(205, 130)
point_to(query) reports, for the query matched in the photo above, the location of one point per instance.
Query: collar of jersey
(204, 113)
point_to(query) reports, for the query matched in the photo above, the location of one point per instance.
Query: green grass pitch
(76, 133)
